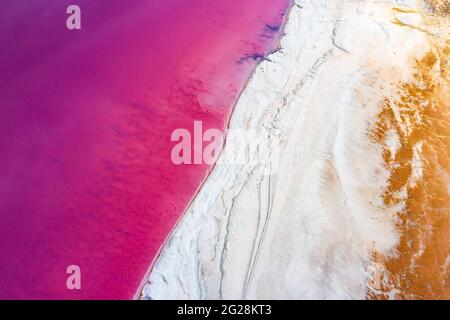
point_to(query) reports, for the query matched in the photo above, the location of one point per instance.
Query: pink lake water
(85, 123)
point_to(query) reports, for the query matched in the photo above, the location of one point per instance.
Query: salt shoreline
(319, 215)
(138, 293)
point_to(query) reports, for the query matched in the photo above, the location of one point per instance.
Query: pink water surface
(85, 124)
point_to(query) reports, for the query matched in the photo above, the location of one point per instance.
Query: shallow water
(85, 124)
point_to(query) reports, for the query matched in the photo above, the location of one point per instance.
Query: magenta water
(85, 123)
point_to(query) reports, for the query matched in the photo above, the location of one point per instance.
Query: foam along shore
(305, 222)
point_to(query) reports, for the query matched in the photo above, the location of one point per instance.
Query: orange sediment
(419, 182)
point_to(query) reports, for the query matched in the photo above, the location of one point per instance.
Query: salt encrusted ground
(302, 224)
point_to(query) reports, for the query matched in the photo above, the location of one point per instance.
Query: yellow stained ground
(420, 116)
